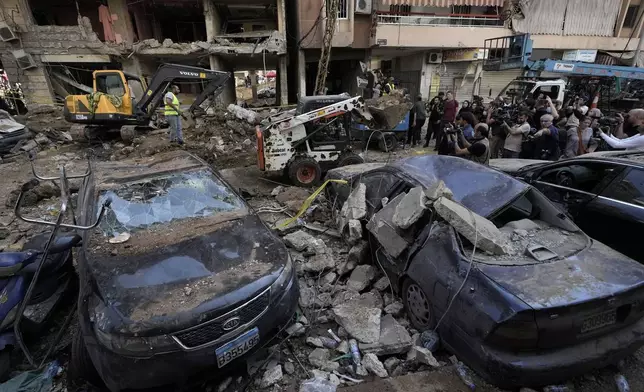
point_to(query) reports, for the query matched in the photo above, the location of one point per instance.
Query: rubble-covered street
(352, 331)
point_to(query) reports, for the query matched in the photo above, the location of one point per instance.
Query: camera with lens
(504, 114)
(609, 121)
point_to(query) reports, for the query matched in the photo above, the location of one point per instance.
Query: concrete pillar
(283, 80)
(213, 20)
(301, 73)
(228, 94)
(281, 16)
(253, 84)
(143, 23)
(122, 22)
(156, 29)
(213, 28)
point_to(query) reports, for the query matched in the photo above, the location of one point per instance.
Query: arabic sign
(463, 55)
(587, 56)
(563, 67)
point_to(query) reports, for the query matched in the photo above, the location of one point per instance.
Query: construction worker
(389, 87)
(172, 113)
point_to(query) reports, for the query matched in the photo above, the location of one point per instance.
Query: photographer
(477, 151)
(547, 140)
(516, 134)
(634, 123)
(544, 106)
(499, 113)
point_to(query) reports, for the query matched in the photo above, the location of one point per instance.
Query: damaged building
(50, 48)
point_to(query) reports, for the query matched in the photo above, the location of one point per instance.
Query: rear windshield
(139, 205)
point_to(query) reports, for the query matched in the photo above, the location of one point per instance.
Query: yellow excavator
(112, 107)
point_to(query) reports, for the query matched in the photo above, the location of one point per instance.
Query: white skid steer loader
(315, 138)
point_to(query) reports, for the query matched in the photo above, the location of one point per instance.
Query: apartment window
(343, 8)
(631, 16)
(400, 9)
(462, 9)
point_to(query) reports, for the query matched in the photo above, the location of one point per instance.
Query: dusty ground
(238, 168)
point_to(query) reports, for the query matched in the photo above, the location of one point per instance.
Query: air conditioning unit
(24, 59)
(434, 58)
(364, 6)
(6, 33)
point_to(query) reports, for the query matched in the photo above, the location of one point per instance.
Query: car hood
(597, 272)
(510, 165)
(173, 286)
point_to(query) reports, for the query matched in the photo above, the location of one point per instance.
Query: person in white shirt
(514, 140)
(620, 141)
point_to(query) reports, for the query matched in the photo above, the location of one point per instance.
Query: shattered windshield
(136, 206)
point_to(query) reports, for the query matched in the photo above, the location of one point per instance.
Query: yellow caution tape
(309, 200)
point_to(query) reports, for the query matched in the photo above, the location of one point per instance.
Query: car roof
(479, 188)
(634, 158)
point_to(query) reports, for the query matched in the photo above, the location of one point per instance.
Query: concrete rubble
(410, 208)
(373, 365)
(363, 323)
(361, 277)
(382, 227)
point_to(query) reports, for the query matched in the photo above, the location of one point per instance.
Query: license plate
(599, 321)
(236, 348)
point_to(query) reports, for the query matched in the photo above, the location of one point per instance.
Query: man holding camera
(516, 133)
(547, 140)
(498, 109)
(476, 151)
(634, 125)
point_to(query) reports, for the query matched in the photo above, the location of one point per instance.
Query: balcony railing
(414, 19)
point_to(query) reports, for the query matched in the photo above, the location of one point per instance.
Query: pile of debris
(17, 138)
(225, 131)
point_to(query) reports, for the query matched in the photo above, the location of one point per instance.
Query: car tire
(419, 307)
(304, 172)
(388, 143)
(349, 158)
(81, 368)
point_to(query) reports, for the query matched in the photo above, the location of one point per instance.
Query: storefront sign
(463, 55)
(563, 67)
(586, 56)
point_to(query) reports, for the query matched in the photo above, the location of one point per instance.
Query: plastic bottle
(464, 373)
(355, 352)
(556, 388)
(430, 340)
(328, 342)
(621, 383)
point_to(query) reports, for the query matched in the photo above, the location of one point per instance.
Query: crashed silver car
(514, 288)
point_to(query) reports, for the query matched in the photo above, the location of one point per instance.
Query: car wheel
(388, 143)
(304, 171)
(418, 305)
(80, 366)
(349, 158)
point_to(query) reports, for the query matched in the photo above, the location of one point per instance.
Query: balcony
(417, 30)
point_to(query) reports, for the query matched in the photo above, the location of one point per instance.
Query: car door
(572, 185)
(621, 207)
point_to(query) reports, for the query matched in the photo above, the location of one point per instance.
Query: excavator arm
(167, 73)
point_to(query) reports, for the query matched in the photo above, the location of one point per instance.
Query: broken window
(584, 177)
(137, 206)
(630, 189)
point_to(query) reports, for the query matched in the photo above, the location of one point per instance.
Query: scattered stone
(343, 347)
(319, 263)
(362, 323)
(277, 190)
(395, 309)
(361, 371)
(292, 225)
(388, 298)
(361, 277)
(346, 267)
(355, 207)
(115, 252)
(393, 339)
(317, 385)
(46, 191)
(42, 139)
(391, 364)
(292, 193)
(302, 319)
(224, 384)
(438, 190)
(187, 291)
(271, 376)
(4, 233)
(289, 368)
(381, 284)
(344, 297)
(315, 342)
(359, 252)
(371, 299)
(247, 142)
(342, 333)
(297, 329)
(29, 145)
(319, 374)
(410, 208)
(298, 240)
(382, 227)
(335, 380)
(307, 297)
(320, 357)
(523, 224)
(372, 364)
(329, 278)
(354, 232)
(422, 355)
(473, 226)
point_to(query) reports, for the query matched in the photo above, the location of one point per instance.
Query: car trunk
(591, 293)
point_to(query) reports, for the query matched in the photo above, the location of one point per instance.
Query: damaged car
(180, 278)
(513, 287)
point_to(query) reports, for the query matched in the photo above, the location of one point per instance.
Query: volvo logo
(230, 324)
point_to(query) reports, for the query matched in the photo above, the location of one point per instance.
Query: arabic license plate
(236, 348)
(599, 321)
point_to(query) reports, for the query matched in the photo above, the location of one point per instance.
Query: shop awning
(445, 3)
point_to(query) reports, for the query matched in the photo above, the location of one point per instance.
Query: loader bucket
(388, 111)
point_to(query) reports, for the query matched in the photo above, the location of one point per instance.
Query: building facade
(51, 47)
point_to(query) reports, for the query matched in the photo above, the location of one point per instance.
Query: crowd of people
(532, 129)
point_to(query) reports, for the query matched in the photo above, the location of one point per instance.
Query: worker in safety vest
(172, 113)
(389, 87)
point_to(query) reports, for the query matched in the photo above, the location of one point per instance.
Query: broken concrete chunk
(422, 355)
(271, 376)
(523, 224)
(438, 190)
(361, 277)
(381, 284)
(373, 364)
(289, 368)
(391, 364)
(359, 252)
(394, 309)
(315, 342)
(292, 193)
(298, 240)
(320, 357)
(277, 190)
(355, 207)
(410, 208)
(317, 385)
(473, 227)
(363, 323)
(307, 297)
(354, 232)
(382, 227)
(297, 329)
(318, 263)
(394, 339)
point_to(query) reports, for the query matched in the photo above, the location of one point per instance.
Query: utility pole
(327, 39)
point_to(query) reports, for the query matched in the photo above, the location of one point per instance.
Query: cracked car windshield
(137, 206)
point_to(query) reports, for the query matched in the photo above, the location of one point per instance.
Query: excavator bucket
(387, 111)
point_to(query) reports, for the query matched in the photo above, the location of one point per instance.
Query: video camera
(505, 114)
